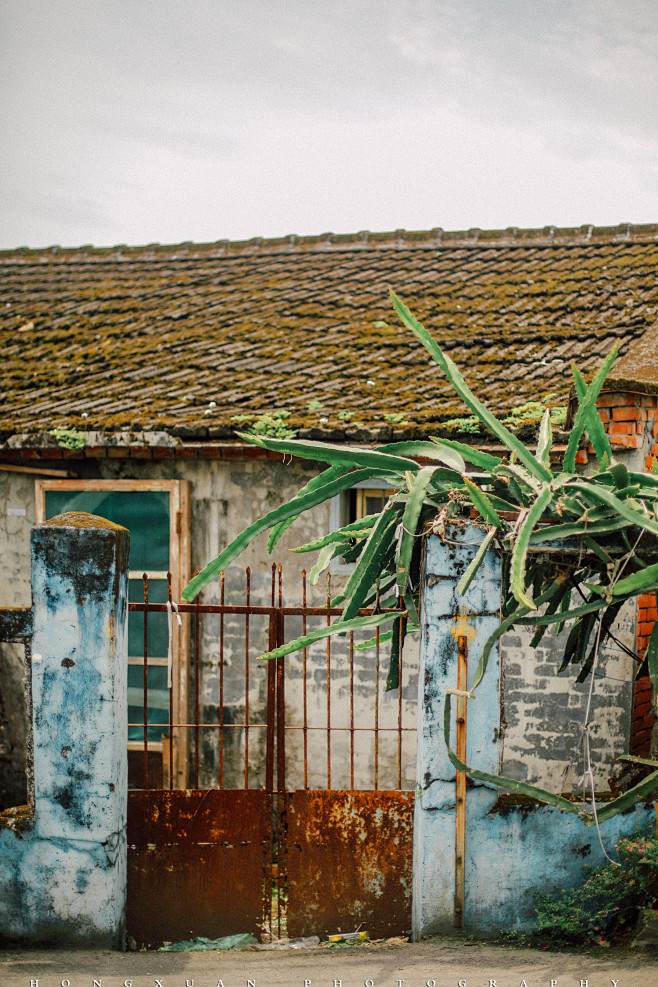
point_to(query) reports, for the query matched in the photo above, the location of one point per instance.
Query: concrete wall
(63, 857)
(226, 496)
(512, 849)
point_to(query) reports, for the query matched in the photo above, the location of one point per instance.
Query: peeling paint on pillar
(63, 869)
(511, 852)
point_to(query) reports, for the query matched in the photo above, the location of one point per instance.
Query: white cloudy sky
(133, 121)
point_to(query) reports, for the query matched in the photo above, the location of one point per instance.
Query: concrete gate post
(511, 851)
(63, 876)
(447, 615)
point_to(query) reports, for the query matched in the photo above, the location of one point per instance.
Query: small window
(155, 512)
(360, 501)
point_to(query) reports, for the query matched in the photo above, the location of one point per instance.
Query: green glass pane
(157, 629)
(144, 513)
(157, 702)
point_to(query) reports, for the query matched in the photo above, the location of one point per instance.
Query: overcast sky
(133, 121)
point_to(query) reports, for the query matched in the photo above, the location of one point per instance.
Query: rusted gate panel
(348, 862)
(198, 863)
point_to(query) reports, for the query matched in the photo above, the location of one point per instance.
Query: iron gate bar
(246, 681)
(304, 691)
(146, 658)
(266, 611)
(328, 684)
(221, 686)
(351, 712)
(376, 779)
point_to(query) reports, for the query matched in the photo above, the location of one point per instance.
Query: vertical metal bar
(271, 711)
(146, 680)
(246, 682)
(280, 710)
(400, 706)
(196, 694)
(304, 695)
(376, 708)
(171, 703)
(221, 681)
(269, 773)
(351, 711)
(328, 684)
(281, 765)
(460, 782)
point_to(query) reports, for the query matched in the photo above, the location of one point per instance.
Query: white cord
(171, 607)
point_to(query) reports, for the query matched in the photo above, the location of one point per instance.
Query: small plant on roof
(69, 438)
(605, 513)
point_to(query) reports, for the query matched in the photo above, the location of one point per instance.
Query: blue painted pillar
(445, 616)
(65, 878)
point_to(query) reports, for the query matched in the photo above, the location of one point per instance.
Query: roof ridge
(364, 240)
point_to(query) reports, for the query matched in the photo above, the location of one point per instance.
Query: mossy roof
(147, 337)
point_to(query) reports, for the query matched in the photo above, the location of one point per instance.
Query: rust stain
(463, 626)
(196, 864)
(348, 860)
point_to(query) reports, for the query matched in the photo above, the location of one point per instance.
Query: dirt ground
(439, 962)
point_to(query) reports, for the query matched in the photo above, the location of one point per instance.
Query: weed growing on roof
(314, 405)
(470, 424)
(608, 900)
(395, 417)
(272, 424)
(532, 411)
(68, 438)
(345, 415)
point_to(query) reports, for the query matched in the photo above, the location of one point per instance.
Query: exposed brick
(645, 401)
(604, 415)
(645, 627)
(136, 452)
(627, 441)
(627, 414)
(621, 428)
(51, 454)
(162, 452)
(581, 457)
(96, 452)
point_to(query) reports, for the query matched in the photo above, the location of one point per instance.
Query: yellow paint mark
(462, 626)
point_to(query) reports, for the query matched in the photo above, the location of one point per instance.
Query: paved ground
(444, 961)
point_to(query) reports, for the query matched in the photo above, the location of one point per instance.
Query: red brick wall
(631, 423)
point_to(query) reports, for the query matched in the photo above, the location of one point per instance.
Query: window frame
(337, 567)
(179, 565)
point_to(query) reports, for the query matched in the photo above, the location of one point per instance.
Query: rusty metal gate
(296, 820)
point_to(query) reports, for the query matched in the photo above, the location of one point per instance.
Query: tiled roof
(146, 337)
